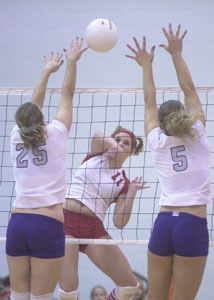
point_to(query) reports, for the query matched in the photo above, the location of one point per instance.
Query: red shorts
(83, 226)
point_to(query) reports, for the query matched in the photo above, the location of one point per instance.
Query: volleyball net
(101, 109)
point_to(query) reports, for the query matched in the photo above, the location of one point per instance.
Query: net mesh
(101, 109)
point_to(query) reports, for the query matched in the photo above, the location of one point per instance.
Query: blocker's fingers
(132, 49)
(129, 56)
(183, 35)
(165, 33)
(84, 49)
(178, 30)
(81, 42)
(77, 41)
(170, 30)
(59, 57)
(136, 43)
(45, 59)
(72, 43)
(152, 49)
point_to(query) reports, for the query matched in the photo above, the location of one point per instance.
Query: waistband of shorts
(38, 216)
(180, 214)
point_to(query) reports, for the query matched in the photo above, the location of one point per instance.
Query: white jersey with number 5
(40, 174)
(182, 166)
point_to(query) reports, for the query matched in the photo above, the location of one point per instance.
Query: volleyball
(101, 35)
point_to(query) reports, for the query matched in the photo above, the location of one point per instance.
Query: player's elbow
(98, 134)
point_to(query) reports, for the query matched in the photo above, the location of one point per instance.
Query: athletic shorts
(35, 235)
(179, 233)
(83, 226)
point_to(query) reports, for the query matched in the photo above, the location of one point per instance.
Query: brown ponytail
(176, 121)
(29, 119)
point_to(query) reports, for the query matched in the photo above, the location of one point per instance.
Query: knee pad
(62, 295)
(19, 296)
(42, 297)
(123, 293)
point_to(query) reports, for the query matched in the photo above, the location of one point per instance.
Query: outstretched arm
(52, 65)
(64, 113)
(174, 48)
(123, 207)
(145, 59)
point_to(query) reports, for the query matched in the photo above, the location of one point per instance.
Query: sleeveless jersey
(40, 174)
(96, 185)
(182, 166)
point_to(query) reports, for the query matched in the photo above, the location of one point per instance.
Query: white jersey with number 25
(40, 174)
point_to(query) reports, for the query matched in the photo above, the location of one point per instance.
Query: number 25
(40, 159)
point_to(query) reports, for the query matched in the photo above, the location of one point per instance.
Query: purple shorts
(83, 226)
(179, 233)
(35, 235)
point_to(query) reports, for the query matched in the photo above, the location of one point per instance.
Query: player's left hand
(142, 57)
(175, 41)
(76, 50)
(137, 184)
(54, 63)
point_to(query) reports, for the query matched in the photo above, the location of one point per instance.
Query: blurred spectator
(5, 288)
(98, 293)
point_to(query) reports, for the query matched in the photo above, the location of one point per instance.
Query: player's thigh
(111, 260)
(159, 276)
(45, 274)
(69, 274)
(188, 273)
(19, 270)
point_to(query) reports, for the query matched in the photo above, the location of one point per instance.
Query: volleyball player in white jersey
(98, 182)
(176, 135)
(35, 236)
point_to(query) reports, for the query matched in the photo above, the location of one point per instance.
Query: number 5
(181, 160)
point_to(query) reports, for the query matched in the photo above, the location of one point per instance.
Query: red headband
(134, 142)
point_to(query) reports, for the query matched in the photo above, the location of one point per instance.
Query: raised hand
(75, 52)
(137, 184)
(54, 63)
(142, 57)
(174, 41)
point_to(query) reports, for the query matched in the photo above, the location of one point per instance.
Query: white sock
(62, 295)
(19, 296)
(42, 297)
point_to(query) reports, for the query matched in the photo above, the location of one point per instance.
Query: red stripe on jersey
(90, 156)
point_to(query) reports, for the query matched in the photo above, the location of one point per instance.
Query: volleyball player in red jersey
(98, 182)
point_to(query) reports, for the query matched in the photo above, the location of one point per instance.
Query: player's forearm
(123, 212)
(102, 142)
(148, 85)
(69, 82)
(183, 74)
(38, 96)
